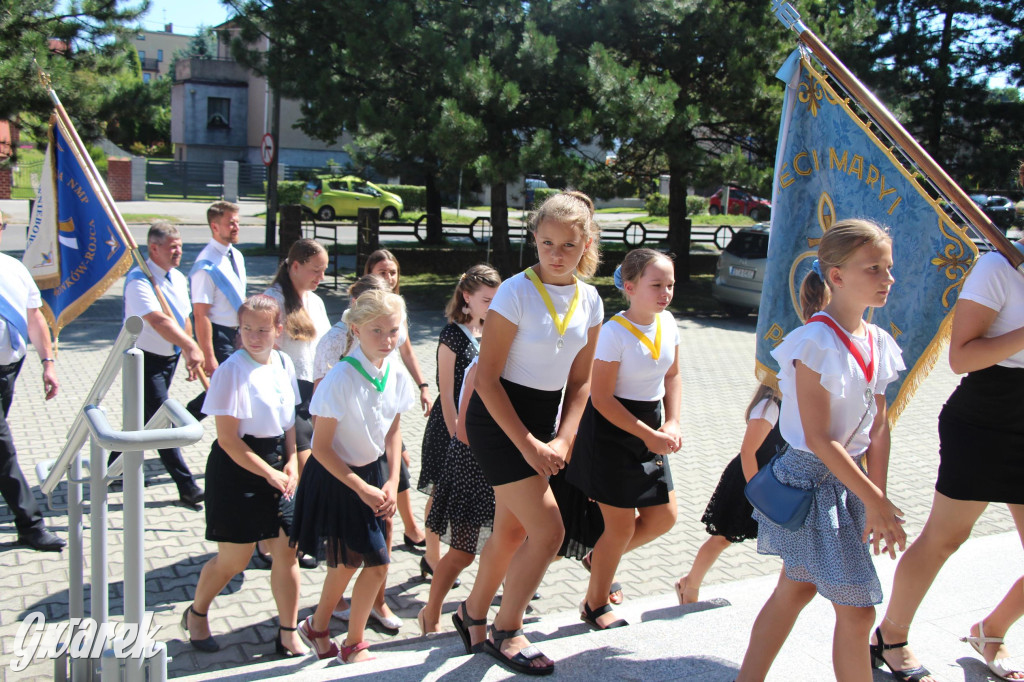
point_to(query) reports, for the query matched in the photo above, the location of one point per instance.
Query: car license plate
(744, 273)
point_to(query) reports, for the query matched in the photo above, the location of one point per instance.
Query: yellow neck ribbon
(561, 323)
(654, 347)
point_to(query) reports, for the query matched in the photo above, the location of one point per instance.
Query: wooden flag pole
(108, 203)
(787, 14)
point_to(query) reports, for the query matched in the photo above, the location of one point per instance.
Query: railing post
(76, 564)
(134, 520)
(100, 610)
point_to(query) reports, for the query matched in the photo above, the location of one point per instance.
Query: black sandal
(877, 660)
(280, 649)
(590, 617)
(520, 662)
(462, 626)
(209, 645)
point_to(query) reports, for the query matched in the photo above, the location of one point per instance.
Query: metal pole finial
(44, 78)
(787, 14)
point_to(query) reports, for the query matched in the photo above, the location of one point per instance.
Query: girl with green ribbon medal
(347, 496)
(539, 339)
(620, 458)
(833, 373)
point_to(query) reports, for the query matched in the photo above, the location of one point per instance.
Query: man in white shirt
(163, 339)
(218, 286)
(22, 322)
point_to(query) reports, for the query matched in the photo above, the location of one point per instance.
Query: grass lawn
(703, 219)
(148, 218)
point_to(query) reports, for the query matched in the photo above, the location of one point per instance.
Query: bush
(541, 194)
(656, 204)
(289, 192)
(696, 205)
(414, 197)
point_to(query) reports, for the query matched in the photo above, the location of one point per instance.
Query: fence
(25, 180)
(252, 180)
(184, 179)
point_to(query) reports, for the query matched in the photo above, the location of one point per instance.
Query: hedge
(414, 197)
(289, 192)
(657, 204)
(540, 195)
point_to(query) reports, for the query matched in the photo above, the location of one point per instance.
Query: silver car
(740, 271)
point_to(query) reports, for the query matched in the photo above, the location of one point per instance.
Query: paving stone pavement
(717, 366)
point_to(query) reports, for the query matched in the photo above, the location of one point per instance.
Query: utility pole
(272, 203)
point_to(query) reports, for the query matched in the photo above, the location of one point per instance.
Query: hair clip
(617, 277)
(816, 269)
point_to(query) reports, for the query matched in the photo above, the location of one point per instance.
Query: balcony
(150, 64)
(200, 70)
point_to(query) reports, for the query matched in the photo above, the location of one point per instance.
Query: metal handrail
(79, 431)
(184, 430)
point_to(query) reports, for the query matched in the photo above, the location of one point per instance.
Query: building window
(218, 112)
(159, 55)
(142, 55)
(145, 77)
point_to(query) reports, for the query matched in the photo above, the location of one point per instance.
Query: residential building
(156, 48)
(220, 111)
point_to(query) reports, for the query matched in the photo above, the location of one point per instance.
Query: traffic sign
(267, 149)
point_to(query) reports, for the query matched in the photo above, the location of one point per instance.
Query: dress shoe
(191, 497)
(41, 540)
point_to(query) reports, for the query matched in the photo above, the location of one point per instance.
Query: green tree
(933, 61)
(80, 45)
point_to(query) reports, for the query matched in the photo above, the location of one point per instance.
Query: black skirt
(331, 521)
(728, 513)
(403, 472)
(499, 458)
(981, 438)
(581, 517)
(614, 467)
(303, 421)
(241, 506)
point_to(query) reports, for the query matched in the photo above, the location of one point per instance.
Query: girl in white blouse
(251, 469)
(345, 502)
(539, 339)
(305, 323)
(620, 456)
(833, 372)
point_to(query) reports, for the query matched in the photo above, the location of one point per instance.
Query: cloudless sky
(186, 15)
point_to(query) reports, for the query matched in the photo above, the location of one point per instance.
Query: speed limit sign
(267, 149)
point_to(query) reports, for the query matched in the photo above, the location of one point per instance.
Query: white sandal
(996, 665)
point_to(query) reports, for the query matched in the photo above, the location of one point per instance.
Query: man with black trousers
(164, 339)
(21, 322)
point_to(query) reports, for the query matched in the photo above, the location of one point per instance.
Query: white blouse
(534, 359)
(303, 353)
(994, 284)
(364, 414)
(816, 345)
(22, 293)
(262, 397)
(767, 410)
(332, 346)
(640, 376)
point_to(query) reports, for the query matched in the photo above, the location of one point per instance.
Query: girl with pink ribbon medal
(620, 458)
(833, 372)
(539, 340)
(347, 494)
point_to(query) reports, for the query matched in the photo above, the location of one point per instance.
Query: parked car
(741, 202)
(739, 273)
(328, 197)
(1000, 209)
(531, 185)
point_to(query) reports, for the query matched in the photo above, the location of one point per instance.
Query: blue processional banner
(830, 165)
(72, 230)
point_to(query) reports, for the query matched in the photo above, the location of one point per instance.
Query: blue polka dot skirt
(827, 550)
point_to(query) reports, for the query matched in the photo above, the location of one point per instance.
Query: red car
(741, 202)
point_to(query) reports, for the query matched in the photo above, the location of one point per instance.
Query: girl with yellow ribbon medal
(620, 457)
(346, 496)
(539, 339)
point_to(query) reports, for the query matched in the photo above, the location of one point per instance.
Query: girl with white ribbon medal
(344, 497)
(833, 372)
(251, 469)
(539, 339)
(620, 458)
